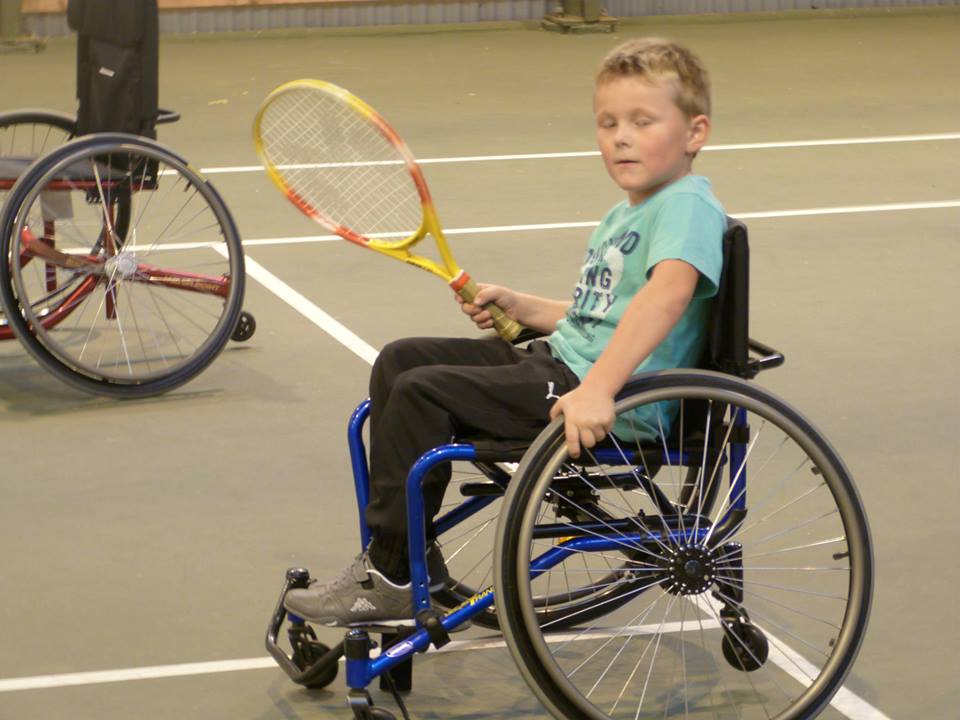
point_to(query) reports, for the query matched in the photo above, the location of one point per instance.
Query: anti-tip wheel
(245, 327)
(745, 647)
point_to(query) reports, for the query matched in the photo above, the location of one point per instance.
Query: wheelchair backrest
(728, 337)
(117, 65)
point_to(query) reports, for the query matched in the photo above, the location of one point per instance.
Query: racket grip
(507, 328)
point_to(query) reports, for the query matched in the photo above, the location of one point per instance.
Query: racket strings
(339, 163)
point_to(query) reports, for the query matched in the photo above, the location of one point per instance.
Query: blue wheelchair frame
(361, 671)
(431, 627)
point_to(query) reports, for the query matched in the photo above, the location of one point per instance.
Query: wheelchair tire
(122, 270)
(32, 133)
(778, 578)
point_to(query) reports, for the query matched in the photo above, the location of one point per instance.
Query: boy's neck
(634, 201)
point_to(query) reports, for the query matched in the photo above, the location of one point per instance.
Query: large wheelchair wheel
(752, 606)
(121, 270)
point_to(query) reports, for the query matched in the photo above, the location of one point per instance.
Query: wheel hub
(690, 570)
(123, 265)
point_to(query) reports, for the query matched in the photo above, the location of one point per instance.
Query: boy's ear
(698, 134)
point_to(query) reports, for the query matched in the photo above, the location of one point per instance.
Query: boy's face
(646, 141)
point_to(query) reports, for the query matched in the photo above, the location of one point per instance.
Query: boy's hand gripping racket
(342, 165)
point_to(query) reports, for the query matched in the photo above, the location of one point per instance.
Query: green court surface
(155, 533)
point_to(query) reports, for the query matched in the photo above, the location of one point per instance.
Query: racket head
(340, 162)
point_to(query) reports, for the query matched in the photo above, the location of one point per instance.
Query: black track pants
(425, 391)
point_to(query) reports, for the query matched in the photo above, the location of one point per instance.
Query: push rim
(544, 669)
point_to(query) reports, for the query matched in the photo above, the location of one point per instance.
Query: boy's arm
(540, 313)
(648, 319)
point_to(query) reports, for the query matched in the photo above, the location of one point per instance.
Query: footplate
(311, 663)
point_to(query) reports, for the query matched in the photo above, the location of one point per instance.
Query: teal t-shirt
(683, 221)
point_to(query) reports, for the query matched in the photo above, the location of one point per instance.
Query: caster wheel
(745, 647)
(364, 709)
(245, 327)
(307, 651)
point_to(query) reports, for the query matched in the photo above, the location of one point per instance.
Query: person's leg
(388, 469)
(425, 406)
(406, 354)
(430, 405)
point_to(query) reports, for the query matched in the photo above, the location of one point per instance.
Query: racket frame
(447, 269)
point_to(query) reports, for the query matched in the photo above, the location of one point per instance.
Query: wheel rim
(812, 640)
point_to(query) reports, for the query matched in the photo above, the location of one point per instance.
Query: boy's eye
(642, 122)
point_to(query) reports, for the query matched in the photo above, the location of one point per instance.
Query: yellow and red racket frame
(455, 276)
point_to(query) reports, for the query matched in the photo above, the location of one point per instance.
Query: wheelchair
(711, 558)
(121, 269)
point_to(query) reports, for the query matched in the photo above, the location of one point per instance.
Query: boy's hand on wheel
(588, 417)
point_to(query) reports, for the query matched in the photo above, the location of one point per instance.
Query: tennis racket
(342, 165)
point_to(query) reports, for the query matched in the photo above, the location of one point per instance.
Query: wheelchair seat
(11, 168)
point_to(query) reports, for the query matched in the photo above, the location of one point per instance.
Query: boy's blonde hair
(663, 62)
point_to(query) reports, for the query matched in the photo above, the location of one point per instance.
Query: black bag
(117, 65)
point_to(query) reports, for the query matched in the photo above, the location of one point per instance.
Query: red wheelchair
(121, 269)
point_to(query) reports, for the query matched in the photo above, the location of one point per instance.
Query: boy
(641, 304)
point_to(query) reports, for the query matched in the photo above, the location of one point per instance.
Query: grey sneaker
(361, 595)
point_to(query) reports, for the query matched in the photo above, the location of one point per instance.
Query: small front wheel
(245, 328)
(307, 651)
(745, 647)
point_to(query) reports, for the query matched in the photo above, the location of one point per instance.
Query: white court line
(589, 224)
(889, 207)
(883, 139)
(802, 670)
(787, 660)
(46, 682)
(845, 701)
(298, 302)
(368, 353)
